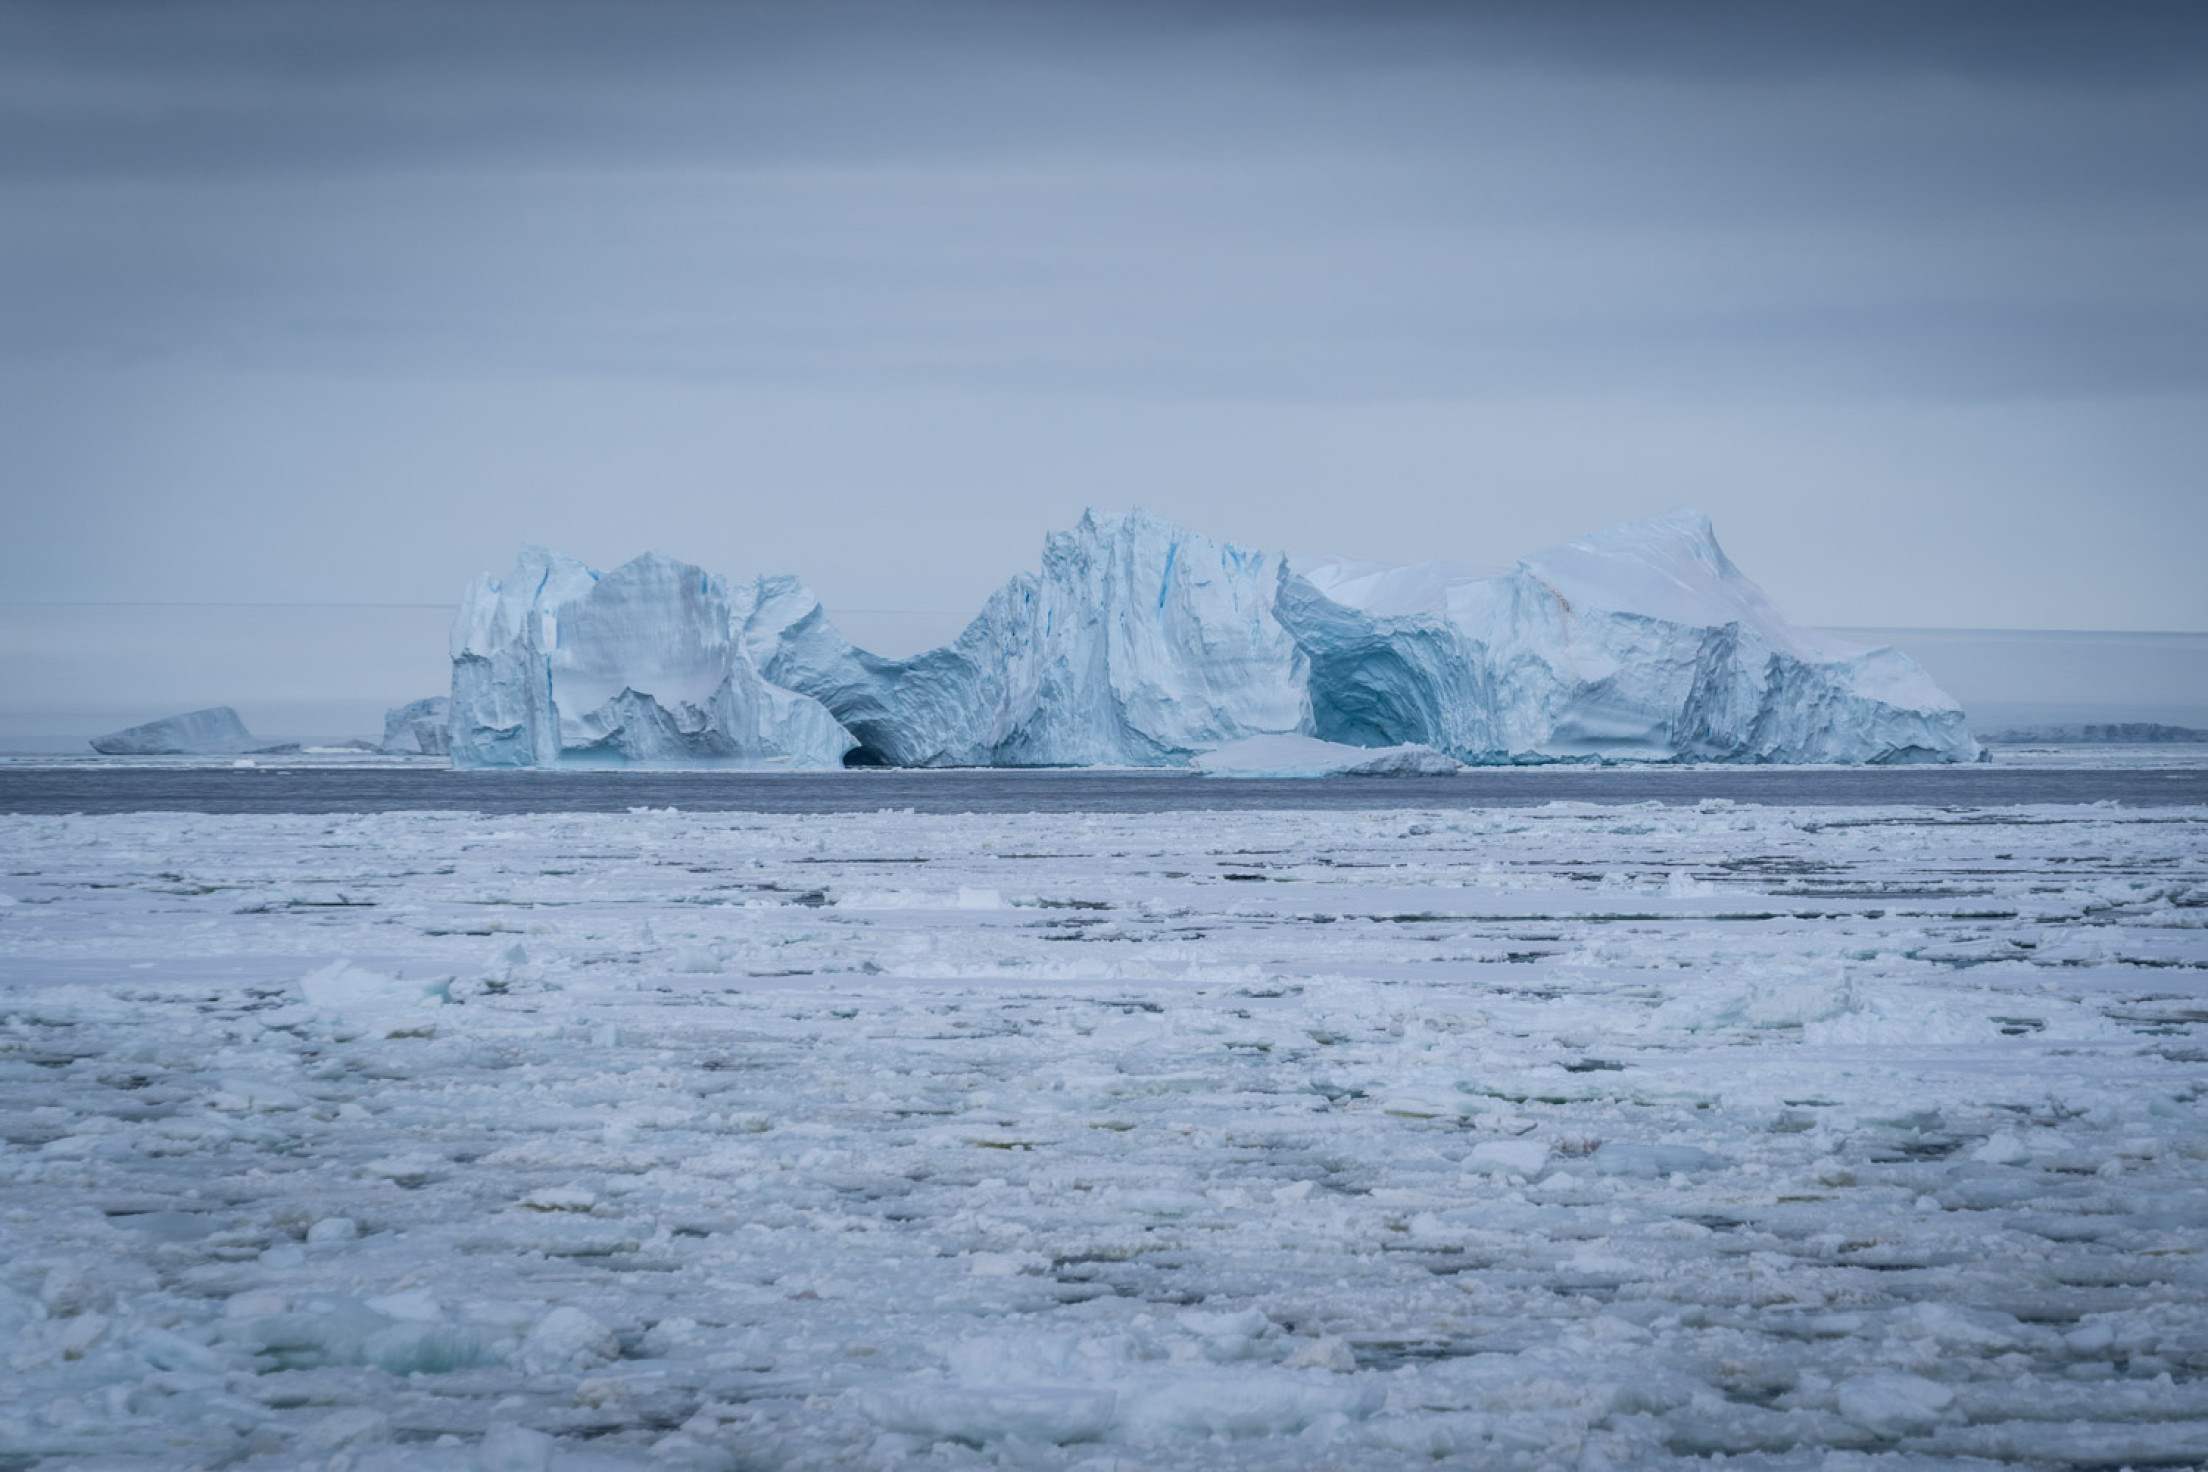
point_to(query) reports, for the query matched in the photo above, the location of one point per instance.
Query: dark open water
(28, 789)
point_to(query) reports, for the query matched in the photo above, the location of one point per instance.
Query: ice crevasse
(1140, 643)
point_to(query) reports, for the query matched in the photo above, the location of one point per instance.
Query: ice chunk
(1307, 756)
(1893, 1404)
(369, 1000)
(411, 1305)
(1044, 1414)
(566, 1339)
(1636, 1158)
(510, 1448)
(215, 731)
(1525, 1158)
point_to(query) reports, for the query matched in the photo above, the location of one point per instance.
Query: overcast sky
(343, 303)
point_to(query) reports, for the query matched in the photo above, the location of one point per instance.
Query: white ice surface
(1574, 1136)
(1307, 756)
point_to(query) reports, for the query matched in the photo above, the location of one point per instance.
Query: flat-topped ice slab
(1307, 756)
(215, 731)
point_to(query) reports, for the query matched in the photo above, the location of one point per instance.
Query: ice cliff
(555, 664)
(216, 731)
(1139, 643)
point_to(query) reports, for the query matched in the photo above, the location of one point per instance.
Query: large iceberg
(1643, 642)
(1143, 644)
(555, 664)
(215, 731)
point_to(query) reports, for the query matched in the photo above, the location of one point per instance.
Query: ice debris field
(1584, 1136)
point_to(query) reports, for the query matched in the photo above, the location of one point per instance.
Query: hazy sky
(342, 303)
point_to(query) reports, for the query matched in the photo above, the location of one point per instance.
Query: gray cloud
(308, 301)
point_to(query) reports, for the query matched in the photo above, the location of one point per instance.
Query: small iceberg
(216, 731)
(418, 728)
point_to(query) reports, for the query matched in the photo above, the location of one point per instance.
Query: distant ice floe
(1307, 756)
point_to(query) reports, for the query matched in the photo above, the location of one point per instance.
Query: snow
(1586, 1135)
(1307, 756)
(216, 731)
(1143, 644)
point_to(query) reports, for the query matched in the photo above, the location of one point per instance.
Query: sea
(2149, 778)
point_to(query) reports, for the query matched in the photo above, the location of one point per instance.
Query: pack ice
(1141, 643)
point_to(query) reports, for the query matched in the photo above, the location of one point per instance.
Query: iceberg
(418, 728)
(1307, 756)
(1643, 643)
(555, 664)
(1142, 644)
(215, 731)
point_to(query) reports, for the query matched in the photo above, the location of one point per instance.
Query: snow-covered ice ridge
(1572, 1136)
(1141, 643)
